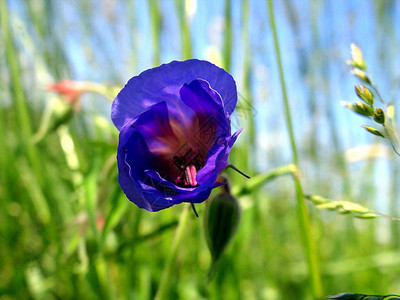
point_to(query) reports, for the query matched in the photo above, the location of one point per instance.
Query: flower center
(188, 164)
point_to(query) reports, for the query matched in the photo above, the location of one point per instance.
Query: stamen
(188, 165)
(191, 172)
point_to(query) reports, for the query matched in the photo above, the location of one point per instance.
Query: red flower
(72, 90)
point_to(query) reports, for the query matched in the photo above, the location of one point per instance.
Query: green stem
(257, 181)
(131, 284)
(389, 126)
(305, 226)
(166, 275)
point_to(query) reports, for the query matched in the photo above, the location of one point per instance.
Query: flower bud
(362, 109)
(373, 131)
(379, 116)
(361, 75)
(221, 220)
(357, 58)
(71, 90)
(364, 94)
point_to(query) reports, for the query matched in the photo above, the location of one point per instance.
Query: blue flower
(175, 134)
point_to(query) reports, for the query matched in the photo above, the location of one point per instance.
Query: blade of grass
(305, 226)
(20, 102)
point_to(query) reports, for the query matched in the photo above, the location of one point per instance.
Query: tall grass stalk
(155, 17)
(246, 71)
(305, 226)
(186, 40)
(227, 59)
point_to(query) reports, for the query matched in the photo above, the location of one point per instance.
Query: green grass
(67, 230)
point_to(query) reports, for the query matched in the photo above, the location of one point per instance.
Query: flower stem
(257, 181)
(166, 275)
(305, 227)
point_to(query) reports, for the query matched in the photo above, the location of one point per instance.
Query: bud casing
(221, 220)
(379, 116)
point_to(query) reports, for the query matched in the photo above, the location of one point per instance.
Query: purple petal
(217, 160)
(213, 120)
(136, 184)
(134, 155)
(164, 83)
(131, 188)
(174, 194)
(154, 126)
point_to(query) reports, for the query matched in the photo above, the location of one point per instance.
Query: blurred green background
(68, 232)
